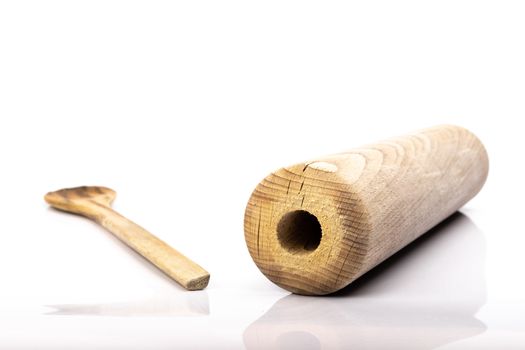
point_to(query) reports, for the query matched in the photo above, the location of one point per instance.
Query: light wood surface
(314, 227)
(95, 203)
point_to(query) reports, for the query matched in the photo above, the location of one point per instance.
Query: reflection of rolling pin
(315, 227)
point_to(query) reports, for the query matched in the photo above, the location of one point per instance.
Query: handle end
(198, 283)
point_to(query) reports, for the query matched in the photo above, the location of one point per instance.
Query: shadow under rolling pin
(315, 227)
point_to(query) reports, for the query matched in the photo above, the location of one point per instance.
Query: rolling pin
(314, 227)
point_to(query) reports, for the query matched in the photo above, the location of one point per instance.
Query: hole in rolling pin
(299, 232)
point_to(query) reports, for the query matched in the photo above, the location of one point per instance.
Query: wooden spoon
(94, 202)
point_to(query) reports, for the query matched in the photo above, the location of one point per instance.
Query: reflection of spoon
(182, 304)
(423, 297)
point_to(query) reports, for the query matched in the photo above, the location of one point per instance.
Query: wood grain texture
(314, 227)
(95, 203)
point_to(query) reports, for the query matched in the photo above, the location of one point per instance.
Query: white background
(182, 107)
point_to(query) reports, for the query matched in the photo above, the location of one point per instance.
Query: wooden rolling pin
(314, 227)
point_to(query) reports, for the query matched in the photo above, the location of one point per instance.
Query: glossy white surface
(183, 108)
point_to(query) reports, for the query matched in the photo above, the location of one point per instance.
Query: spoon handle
(186, 272)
